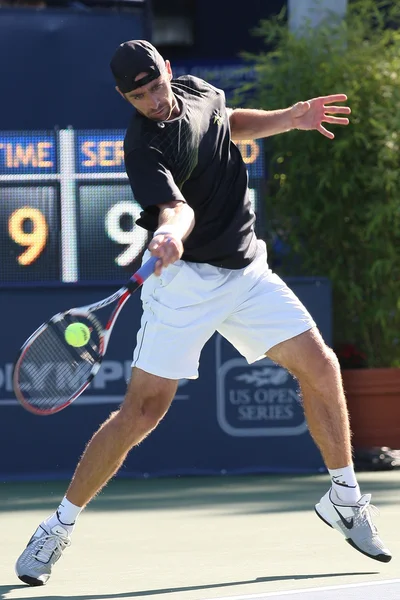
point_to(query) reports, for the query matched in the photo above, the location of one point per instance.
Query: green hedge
(337, 203)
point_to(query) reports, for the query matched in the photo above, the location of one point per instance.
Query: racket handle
(145, 270)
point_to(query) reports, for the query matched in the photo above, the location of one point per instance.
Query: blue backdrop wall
(55, 67)
(235, 418)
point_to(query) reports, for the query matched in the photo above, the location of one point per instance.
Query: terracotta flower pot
(373, 400)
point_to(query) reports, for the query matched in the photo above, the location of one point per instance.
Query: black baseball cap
(132, 58)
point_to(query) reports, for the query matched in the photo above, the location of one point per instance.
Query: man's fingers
(335, 120)
(165, 259)
(167, 249)
(158, 268)
(325, 132)
(159, 245)
(344, 110)
(333, 98)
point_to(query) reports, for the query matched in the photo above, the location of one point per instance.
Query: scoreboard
(67, 211)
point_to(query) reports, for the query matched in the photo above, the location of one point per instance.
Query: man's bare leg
(147, 400)
(317, 370)
(343, 508)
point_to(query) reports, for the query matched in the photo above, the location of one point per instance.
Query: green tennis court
(236, 538)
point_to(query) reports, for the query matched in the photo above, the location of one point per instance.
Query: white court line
(307, 590)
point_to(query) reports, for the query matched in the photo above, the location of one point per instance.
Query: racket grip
(145, 270)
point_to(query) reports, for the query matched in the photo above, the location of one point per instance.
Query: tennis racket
(49, 373)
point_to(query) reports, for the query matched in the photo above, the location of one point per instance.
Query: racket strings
(51, 371)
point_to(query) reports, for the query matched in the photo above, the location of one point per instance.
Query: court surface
(221, 538)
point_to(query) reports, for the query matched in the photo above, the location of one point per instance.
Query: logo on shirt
(218, 118)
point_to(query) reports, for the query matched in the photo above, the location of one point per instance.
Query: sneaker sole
(380, 557)
(322, 518)
(32, 581)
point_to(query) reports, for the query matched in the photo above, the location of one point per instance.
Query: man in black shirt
(189, 158)
(212, 275)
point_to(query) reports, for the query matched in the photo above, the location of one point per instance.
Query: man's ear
(120, 93)
(169, 69)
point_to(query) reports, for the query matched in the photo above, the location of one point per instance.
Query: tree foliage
(336, 204)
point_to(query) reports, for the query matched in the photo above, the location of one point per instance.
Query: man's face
(155, 100)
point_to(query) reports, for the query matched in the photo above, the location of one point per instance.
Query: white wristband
(168, 229)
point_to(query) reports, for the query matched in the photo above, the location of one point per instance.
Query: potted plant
(334, 207)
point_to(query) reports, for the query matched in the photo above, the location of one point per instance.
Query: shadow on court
(6, 589)
(234, 494)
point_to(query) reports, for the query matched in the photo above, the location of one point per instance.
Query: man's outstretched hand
(313, 113)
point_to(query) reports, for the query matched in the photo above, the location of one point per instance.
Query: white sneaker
(43, 550)
(355, 523)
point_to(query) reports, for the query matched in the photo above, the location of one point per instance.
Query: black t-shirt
(193, 158)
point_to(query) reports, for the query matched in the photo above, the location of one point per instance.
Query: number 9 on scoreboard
(110, 244)
(27, 226)
(29, 234)
(120, 227)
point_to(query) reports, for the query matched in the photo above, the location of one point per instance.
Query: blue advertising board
(250, 415)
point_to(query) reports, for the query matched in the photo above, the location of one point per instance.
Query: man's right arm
(152, 180)
(176, 217)
(175, 222)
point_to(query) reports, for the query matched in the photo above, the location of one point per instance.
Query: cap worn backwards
(132, 58)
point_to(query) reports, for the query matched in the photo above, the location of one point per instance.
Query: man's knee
(327, 363)
(147, 400)
(308, 358)
(321, 371)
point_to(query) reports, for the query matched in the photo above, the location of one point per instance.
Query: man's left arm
(251, 124)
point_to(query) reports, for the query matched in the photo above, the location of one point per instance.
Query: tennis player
(212, 275)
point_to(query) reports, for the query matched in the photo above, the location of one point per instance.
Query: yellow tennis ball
(77, 334)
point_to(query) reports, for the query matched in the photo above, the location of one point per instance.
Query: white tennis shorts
(251, 307)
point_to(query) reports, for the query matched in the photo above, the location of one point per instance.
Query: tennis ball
(77, 334)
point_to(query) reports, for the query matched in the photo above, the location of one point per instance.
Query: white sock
(66, 515)
(344, 482)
